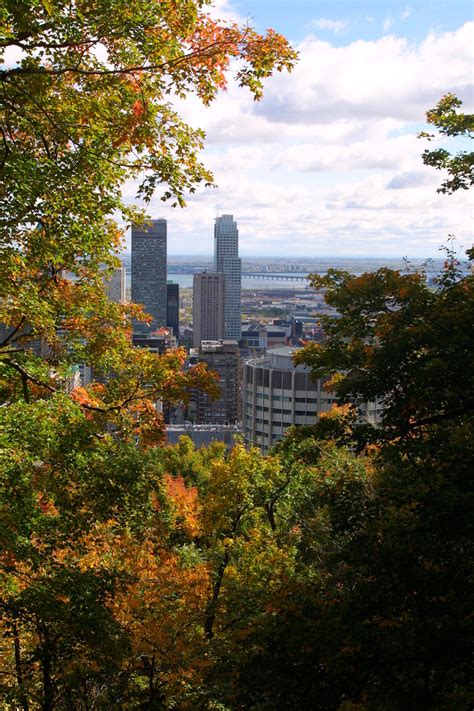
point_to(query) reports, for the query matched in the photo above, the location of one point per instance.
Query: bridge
(278, 276)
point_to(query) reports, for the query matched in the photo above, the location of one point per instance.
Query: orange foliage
(185, 501)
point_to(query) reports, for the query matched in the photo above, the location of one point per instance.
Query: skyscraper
(227, 262)
(149, 273)
(172, 318)
(208, 307)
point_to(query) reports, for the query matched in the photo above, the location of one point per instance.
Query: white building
(227, 262)
(276, 394)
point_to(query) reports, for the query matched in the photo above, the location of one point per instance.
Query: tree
(93, 545)
(401, 577)
(399, 341)
(88, 106)
(450, 123)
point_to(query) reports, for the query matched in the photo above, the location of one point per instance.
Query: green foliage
(87, 107)
(106, 589)
(333, 574)
(450, 123)
(401, 342)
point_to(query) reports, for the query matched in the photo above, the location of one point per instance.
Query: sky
(328, 163)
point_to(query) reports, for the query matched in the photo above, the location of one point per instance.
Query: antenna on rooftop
(217, 202)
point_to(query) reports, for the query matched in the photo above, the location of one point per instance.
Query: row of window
(281, 379)
(299, 400)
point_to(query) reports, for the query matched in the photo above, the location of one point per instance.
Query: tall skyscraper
(149, 273)
(227, 262)
(172, 318)
(208, 307)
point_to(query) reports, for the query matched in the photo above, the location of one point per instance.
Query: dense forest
(334, 573)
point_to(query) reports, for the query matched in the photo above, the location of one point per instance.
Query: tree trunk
(18, 668)
(212, 605)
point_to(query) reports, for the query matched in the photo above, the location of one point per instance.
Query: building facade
(276, 394)
(149, 253)
(223, 357)
(172, 308)
(114, 285)
(208, 307)
(203, 435)
(227, 262)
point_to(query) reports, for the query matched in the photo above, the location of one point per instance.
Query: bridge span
(278, 276)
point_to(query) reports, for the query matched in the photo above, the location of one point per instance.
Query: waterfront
(182, 272)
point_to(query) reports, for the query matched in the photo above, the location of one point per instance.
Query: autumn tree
(379, 616)
(87, 106)
(402, 577)
(400, 341)
(88, 523)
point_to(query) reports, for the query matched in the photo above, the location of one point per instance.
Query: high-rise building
(208, 307)
(114, 285)
(222, 357)
(172, 308)
(227, 262)
(149, 273)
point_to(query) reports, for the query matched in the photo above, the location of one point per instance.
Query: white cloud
(332, 25)
(224, 10)
(365, 80)
(329, 162)
(405, 13)
(387, 23)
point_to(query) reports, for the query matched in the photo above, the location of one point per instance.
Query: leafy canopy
(450, 123)
(400, 341)
(88, 106)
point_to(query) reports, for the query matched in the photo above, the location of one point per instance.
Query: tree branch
(209, 50)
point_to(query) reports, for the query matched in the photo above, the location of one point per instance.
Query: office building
(114, 285)
(172, 308)
(276, 394)
(149, 273)
(227, 262)
(223, 357)
(208, 307)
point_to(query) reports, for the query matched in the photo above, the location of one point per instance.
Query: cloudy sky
(328, 163)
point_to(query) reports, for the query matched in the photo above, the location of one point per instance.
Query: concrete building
(114, 285)
(276, 394)
(260, 336)
(208, 307)
(172, 308)
(149, 273)
(223, 357)
(227, 262)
